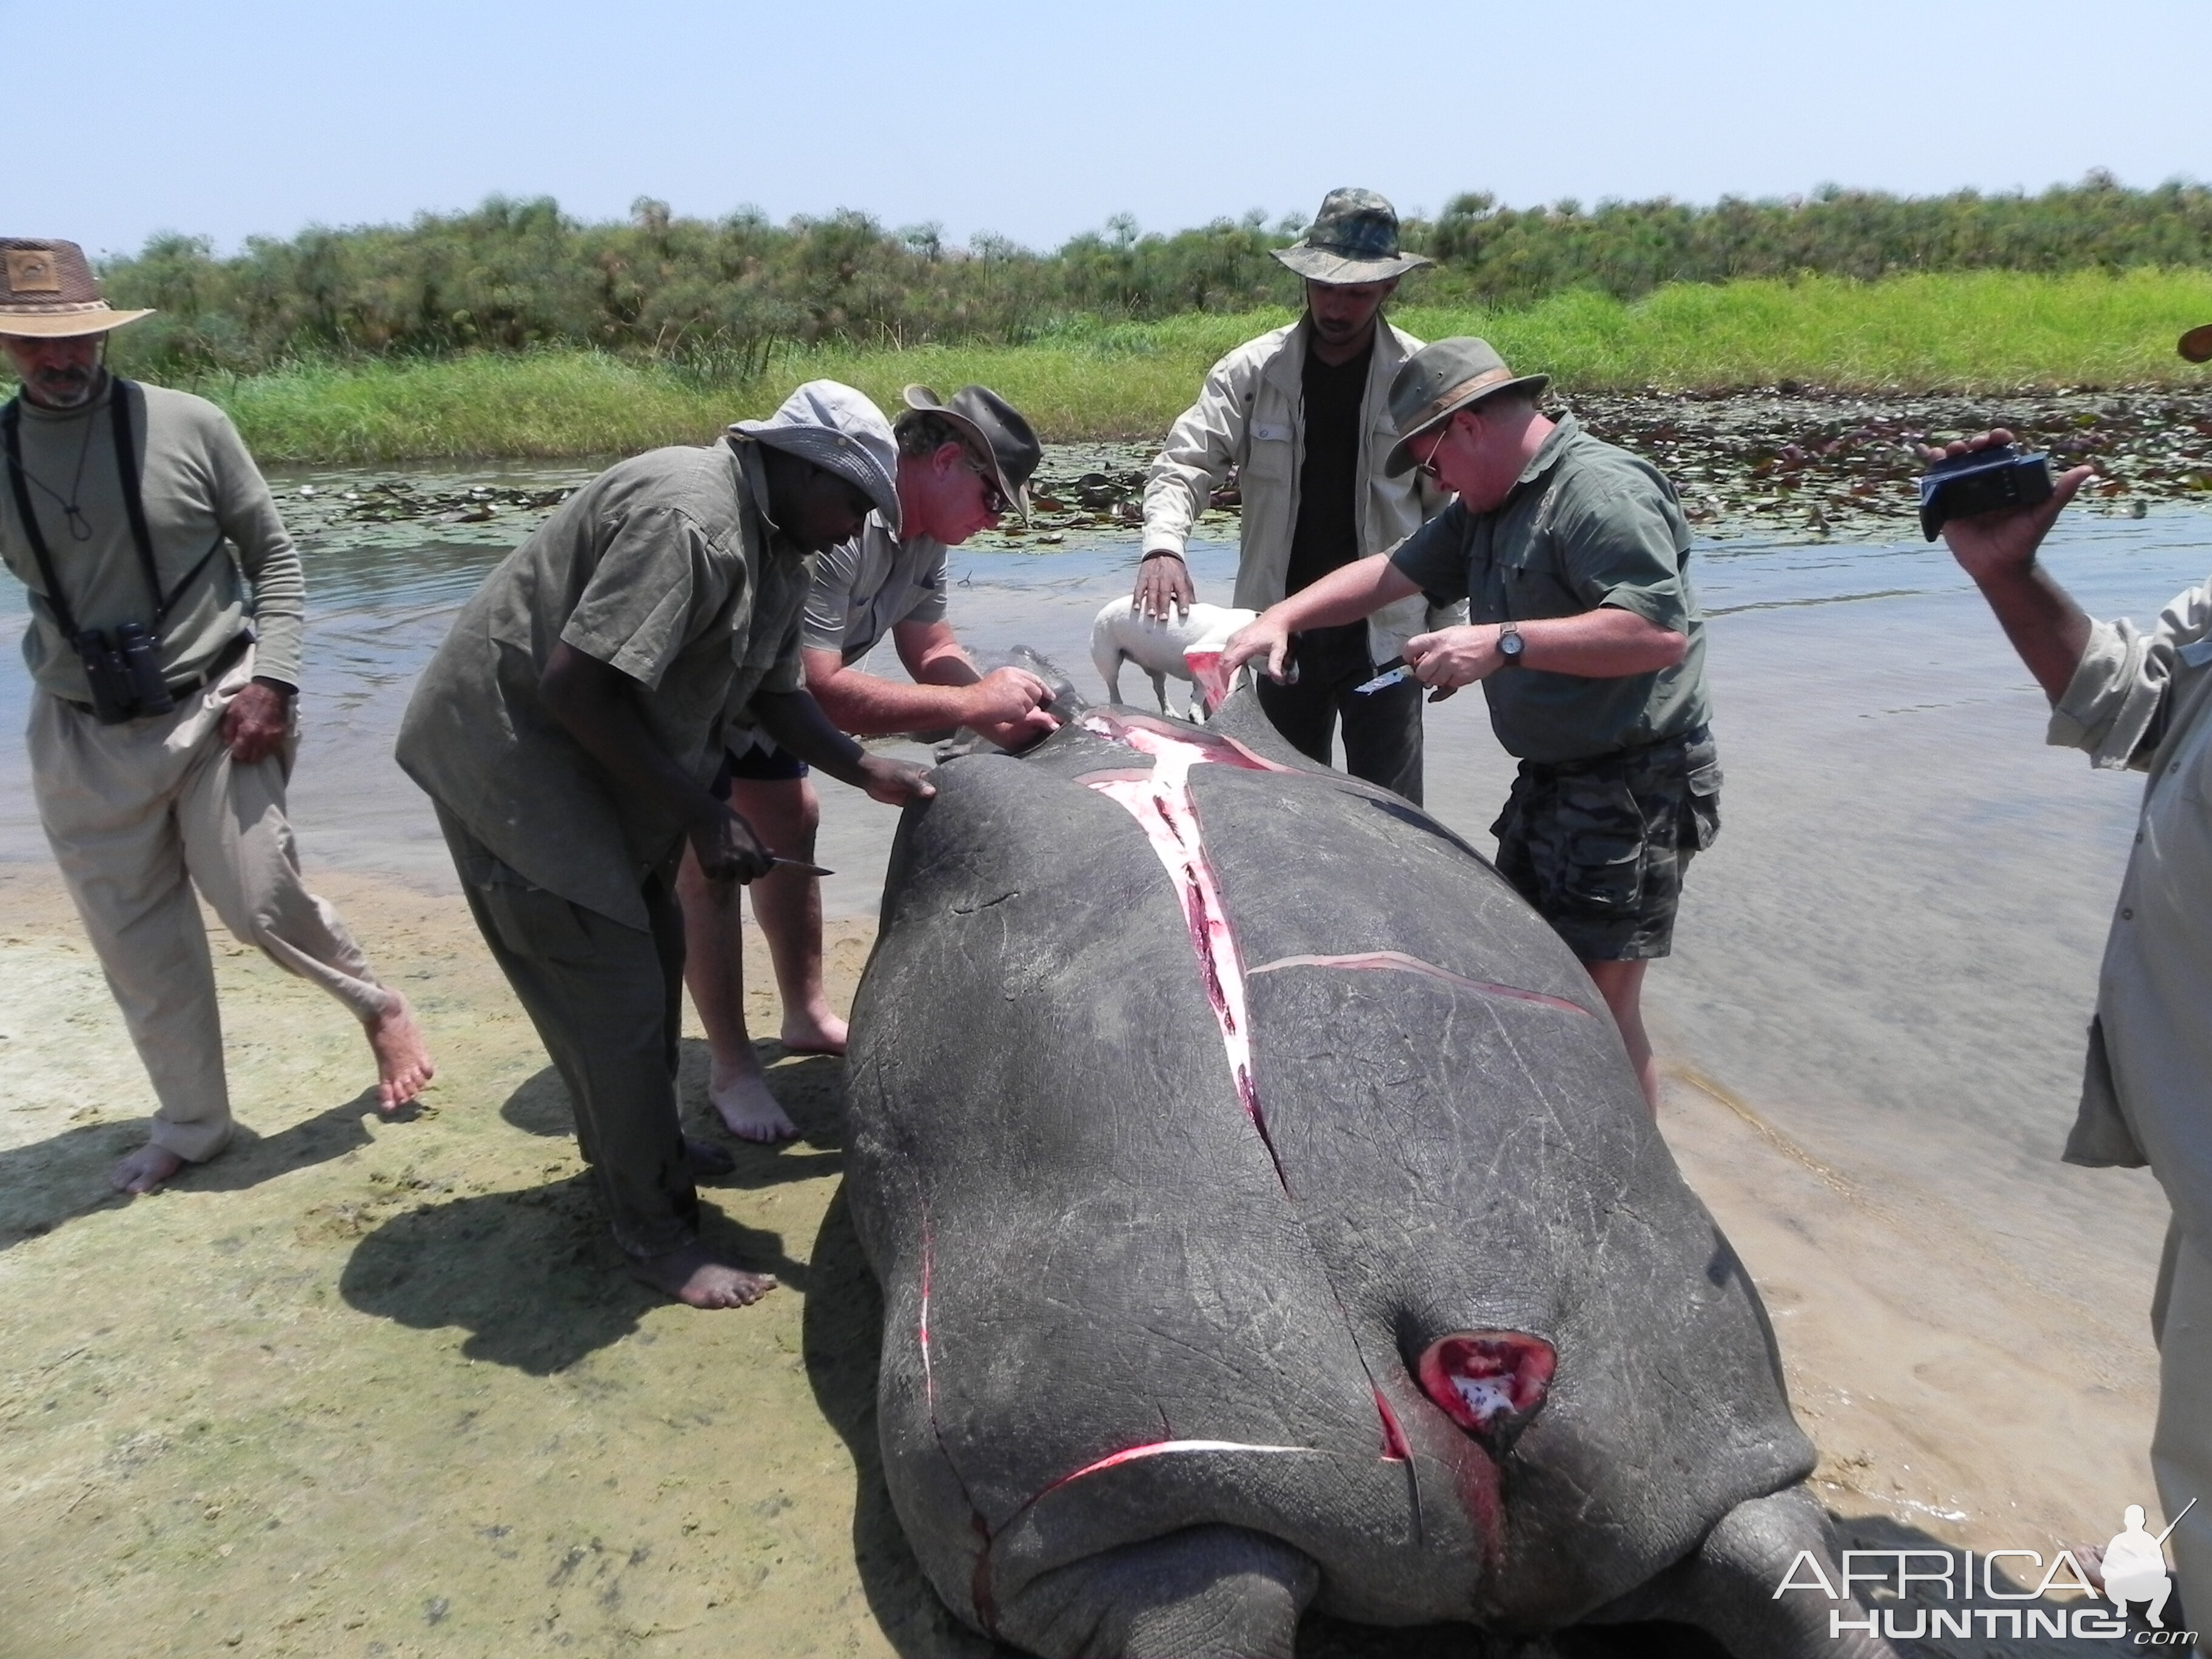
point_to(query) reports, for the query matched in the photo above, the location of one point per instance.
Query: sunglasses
(1426, 465)
(994, 500)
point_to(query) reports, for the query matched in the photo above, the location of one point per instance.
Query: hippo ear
(1489, 1382)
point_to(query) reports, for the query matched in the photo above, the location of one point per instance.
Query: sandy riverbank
(378, 1389)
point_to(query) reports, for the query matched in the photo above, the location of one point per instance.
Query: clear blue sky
(230, 117)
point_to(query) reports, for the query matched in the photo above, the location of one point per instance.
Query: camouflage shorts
(1598, 846)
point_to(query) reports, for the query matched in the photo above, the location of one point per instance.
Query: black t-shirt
(1328, 532)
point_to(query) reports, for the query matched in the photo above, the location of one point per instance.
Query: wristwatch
(1511, 645)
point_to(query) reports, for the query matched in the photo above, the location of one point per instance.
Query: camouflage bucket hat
(1354, 239)
(47, 293)
(1439, 380)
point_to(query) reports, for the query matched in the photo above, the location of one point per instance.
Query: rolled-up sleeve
(1200, 448)
(2111, 704)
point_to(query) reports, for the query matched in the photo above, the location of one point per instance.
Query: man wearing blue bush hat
(569, 729)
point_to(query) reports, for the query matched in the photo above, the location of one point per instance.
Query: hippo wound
(1268, 1218)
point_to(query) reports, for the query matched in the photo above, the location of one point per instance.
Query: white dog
(1161, 647)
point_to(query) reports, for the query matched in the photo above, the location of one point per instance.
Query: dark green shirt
(1586, 525)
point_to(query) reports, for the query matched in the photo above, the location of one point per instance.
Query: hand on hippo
(1008, 706)
(894, 783)
(1163, 585)
(1262, 639)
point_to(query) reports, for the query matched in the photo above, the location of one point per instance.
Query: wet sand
(370, 1388)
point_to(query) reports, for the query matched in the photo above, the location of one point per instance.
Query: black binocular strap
(134, 508)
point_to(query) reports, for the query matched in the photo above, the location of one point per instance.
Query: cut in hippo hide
(1267, 1216)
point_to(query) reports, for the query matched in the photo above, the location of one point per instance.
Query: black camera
(126, 674)
(1981, 480)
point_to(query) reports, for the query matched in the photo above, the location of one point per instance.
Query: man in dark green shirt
(1586, 637)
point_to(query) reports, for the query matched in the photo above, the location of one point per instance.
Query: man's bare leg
(713, 969)
(787, 904)
(1621, 984)
(403, 1057)
(696, 1275)
(145, 1171)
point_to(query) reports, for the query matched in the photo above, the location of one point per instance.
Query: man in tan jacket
(2139, 698)
(1302, 414)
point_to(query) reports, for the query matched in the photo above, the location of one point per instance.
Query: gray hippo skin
(1267, 1216)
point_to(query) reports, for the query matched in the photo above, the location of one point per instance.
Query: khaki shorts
(1598, 846)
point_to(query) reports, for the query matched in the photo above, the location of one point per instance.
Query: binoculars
(125, 672)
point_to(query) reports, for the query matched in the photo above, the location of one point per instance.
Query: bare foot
(403, 1058)
(145, 1169)
(748, 1110)
(813, 1034)
(694, 1274)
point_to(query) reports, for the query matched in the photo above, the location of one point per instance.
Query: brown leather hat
(46, 292)
(2196, 344)
(994, 431)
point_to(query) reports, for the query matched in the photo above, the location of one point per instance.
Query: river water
(1891, 952)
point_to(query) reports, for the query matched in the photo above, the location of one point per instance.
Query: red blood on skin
(1485, 1379)
(1394, 1449)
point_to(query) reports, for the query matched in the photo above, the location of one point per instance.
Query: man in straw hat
(1587, 639)
(962, 464)
(569, 729)
(1299, 413)
(162, 729)
(2139, 698)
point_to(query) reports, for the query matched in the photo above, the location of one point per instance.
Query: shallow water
(1890, 955)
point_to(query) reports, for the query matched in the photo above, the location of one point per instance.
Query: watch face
(1510, 646)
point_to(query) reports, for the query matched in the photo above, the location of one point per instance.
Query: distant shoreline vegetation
(1988, 331)
(513, 330)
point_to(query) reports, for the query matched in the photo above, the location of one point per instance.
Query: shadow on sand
(533, 1276)
(49, 1182)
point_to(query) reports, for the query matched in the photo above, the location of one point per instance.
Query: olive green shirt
(665, 567)
(199, 488)
(1586, 526)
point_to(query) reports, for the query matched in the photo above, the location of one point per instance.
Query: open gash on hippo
(1268, 1217)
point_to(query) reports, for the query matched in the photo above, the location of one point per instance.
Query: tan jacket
(2146, 1096)
(1251, 416)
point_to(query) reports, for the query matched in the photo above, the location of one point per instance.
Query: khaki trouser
(2181, 1444)
(139, 814)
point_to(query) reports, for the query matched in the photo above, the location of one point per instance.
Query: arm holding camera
(1998, 550)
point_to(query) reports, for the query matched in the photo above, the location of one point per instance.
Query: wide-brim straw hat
(1354, 239)
(838, 429)
(2196, 344)
(994, 431)
(1437, 381)
(47, 293)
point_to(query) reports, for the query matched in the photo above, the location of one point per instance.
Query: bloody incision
(1489, 1382)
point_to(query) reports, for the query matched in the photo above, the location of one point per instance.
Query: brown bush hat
(995, 430)
(2196, 344)
(46, 292)
(1439, 380)
(1354, 239)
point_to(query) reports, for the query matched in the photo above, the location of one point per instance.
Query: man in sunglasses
(1587, 639)
(568, 730)
(1299, 415)
(962, 464)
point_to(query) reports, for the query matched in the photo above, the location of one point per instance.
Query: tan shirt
(665, 567)
(199, 487)
(2145, 700)
(1250, 415)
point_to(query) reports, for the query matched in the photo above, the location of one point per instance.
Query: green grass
(1969, 331)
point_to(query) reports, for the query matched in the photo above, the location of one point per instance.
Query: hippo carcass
(1266, 1217)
